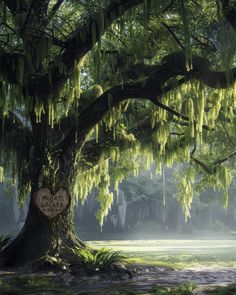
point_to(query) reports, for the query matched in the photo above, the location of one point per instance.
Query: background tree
(90, 90)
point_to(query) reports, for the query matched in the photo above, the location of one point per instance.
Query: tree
(91, 88)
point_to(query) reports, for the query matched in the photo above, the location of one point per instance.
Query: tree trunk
(41, 236)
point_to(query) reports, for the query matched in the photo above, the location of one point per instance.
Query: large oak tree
(90, 90)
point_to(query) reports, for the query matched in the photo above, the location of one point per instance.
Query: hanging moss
(2, 178)
(185, 190)
(162, 136)
(183, 11)
(215, 109)
(191, 115)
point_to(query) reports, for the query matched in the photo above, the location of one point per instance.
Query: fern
(98, 260)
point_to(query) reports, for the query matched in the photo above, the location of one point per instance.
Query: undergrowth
(229, 290)
(183, 289)
(96, 260)
(27, 285)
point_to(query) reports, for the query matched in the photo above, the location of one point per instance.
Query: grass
(176, 253)
(185, 261)
(33, 285)
(229, 290)
(184, 289)
(28, 285)
(146, 252)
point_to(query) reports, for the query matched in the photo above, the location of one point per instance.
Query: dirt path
(148, 279)
(144, 279)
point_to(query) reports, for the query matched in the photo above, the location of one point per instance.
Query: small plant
(183, 289)
(4, 241)
(186, 289)
(98, 259)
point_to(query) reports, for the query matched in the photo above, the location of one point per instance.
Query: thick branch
(229, 9)
(218, 80)
(87, 34)
(92, 150)
(151, 88)
(143, 132)
(14, 136)
(54, 10)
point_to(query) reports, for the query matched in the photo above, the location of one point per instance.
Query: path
(145, 279)
(152, 277)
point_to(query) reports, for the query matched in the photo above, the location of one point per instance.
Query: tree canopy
(92, 91)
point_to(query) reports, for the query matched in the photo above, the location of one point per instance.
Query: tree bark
(40, 236)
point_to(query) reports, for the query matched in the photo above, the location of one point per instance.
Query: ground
(188, 264)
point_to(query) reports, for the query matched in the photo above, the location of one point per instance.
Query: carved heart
(52, 205)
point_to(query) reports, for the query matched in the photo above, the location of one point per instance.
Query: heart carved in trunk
(51, 204)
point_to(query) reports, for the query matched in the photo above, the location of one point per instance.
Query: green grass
(29, 285)
(184, 289)
(176, 253)
(185, 261)
(229, 290)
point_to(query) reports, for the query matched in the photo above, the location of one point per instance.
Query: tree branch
(92, 151)
(14, 136)
(54, 10)
(175, 113)
(87, 34)
(173, 35)
(218, 80)
(220, 161)
(16, 6)
(229, 10)
(212, 168)
(202, 165)
(151, 88)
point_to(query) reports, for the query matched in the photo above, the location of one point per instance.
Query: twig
(173, 35)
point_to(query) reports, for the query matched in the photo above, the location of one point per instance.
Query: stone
(51, 205)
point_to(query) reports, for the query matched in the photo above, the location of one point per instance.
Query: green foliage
(96, 260)
(32, 285)
(185, 189)
(228, 290)
(184, 289)
(56, 61)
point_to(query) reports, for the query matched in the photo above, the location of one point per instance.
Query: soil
(135, 278)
